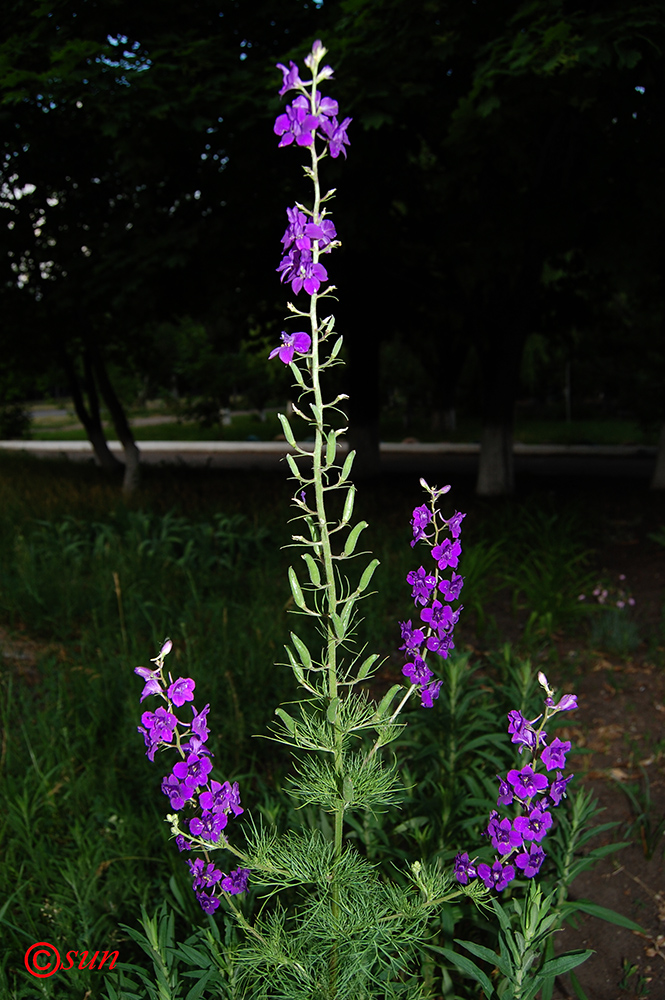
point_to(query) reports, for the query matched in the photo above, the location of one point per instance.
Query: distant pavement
(622, 461)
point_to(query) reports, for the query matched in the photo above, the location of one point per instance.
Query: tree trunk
(658, 481)
(123, 430)
(89, 415)
(496, 467)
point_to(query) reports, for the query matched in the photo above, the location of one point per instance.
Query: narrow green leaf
(316, 410)
(302, 650)
(286, 427)
(366, 666)
(286, 719)
(354, 535)
(487, 955)
(471, 969)
(346, 468)
(611, 916)
(338, 624)
(347, 611)
(348, 505)
(313, 569)
(366, 578)
(347, 790)
(564, 963)
(575, 983)
(295, 589)
(297, 374)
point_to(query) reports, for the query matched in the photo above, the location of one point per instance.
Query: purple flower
(209, 826)
(178, 792)
(200, 723)
(324, 233)
(194, 771)
(205, 875)
(222, 798)
(161, 725)
(464, 869)
(208, 903)
(296, 123)
(418, 672)
(505, 793)
(526, 782)
(535, 825)
(531, 862)
(419, 521)
(522, 731)
(291, 342)
(429, 694)
(413, 637)
(153, 684)
(181, 690)
(497, 877)
(558, 788)
(299, 268)
(422, 583)
(447, 553)
(295, 232)
(182, 844)
(567, 703)
(439, 617)
(236, 881)
(504, 837)
(452, 588)
(291, 77)
(335, 133)
(152, 744)
(455, 524)
(325, 106)
(440, 646)
(555, 754)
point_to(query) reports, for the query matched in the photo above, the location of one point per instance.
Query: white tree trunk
(658, 481)
(495, 470)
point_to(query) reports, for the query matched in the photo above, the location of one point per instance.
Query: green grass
(198, 556)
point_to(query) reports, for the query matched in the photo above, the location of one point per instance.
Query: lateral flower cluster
(533, 791)
(438, 618)
(310, 233)
(190, 780)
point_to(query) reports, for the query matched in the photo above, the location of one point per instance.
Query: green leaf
(487, 955)
(354, 535)
(575, 983)
(564, 963)
(316, 410)
(471, 969)
(366, 578)
(313, 569)
(286, 427)
(610, 916)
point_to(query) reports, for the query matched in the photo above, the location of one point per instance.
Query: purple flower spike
(464, 868)
(291, 342)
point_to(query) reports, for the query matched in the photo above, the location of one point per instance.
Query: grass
(197, 556)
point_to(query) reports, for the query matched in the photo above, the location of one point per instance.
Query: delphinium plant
(331, 924)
